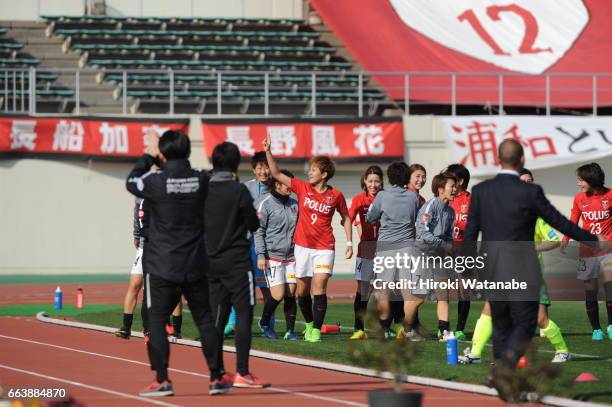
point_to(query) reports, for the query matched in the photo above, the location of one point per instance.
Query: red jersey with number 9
(595, 213)
(369, 231)
(316, 210)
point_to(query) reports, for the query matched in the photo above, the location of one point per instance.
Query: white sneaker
(413, 336)
(468, 358)
(561, 357)
(445, 335)
(542, 335)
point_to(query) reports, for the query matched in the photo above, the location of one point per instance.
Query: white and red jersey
(369, 231)
(461, 206)
(595, 213)
(316, 211)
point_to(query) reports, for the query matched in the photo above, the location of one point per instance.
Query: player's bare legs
(412, 303)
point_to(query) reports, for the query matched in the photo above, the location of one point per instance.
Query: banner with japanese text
(80, 136)
(548, 141)
(374, 139)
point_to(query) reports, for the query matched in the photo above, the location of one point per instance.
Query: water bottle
(79, 298)
(452, 356)
(57, 302)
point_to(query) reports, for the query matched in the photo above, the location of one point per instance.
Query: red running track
(101, 370)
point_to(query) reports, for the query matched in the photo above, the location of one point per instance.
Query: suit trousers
(514, 323)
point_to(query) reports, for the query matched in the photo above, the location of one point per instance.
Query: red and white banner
(475, 36)
(373, 139)
(67, 135)
(547, 141)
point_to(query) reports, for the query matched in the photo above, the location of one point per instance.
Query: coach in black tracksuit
(229, 215)
(175, 254)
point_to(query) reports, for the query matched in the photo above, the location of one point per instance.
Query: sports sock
(127, 321)
(161, 375)
(290, 308)
(463, 310)
(608, 289)
(385, 324)
(482, 333)
(358, 312)
(177, 323)
(397, 310)
(553, 333)
(144, 314)
(443, 326)
(319, 309)
(305, 303)
(592, 308)
(269, 308)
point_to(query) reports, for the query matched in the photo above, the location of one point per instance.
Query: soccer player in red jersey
(314, 236)
(592, 206)
(371, 183)
(461, 206)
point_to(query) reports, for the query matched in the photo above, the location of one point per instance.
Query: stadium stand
(217, 62)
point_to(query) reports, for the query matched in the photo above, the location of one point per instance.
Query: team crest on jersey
(425, 217)
(604, 204)
(464, 208)
(329, 199)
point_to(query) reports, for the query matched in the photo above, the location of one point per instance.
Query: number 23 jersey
(316, 210)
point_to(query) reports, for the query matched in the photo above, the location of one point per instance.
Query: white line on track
(90, 387)
(273, 389)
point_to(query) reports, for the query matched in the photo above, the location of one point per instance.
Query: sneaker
(398, 329)
(315, 335)
(307, 330)
(169, 329)
(228, 377)
(561, 357)
(444, 336)
(174, 337)
(157, 389)
(269, 332)
(609, 331)
(598, 335)
(460, 335)
(413, 336)
(468, 358)
(359, 335)
(542, 334)
(228, 330)
(219, 386)
(249, 381)
(123, 333)
(290, 336)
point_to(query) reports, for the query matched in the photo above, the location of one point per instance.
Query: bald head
(511, 155)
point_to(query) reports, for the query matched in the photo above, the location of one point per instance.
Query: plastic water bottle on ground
(452, 356)
(57, 300)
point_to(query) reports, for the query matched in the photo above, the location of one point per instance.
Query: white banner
(548, 141)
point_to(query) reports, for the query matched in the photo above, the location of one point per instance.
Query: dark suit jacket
(505, 209)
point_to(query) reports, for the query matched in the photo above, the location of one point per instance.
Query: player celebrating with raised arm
(371, 183)
(314, 237)
(592, 205)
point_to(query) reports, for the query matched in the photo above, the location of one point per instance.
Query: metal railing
(355, 93)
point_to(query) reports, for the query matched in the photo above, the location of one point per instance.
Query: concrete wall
(33, 9)
(75, 216)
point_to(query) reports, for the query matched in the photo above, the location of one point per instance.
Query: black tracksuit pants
(233, 286)
(161, 298)
(514, 323)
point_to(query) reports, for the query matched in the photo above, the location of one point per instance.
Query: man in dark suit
(505, 210)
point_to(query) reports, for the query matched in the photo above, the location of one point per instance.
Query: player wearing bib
(371, 183)
(545, 239)
(592, 207)
(314, 237)
(461, 206)
(278, 214)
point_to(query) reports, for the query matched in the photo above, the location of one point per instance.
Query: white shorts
(280, 272)
(312, 261)
(593, 267)
(137, 265)
(364, 269)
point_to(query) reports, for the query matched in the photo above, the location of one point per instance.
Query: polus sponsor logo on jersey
(596, 215)
(316, 206)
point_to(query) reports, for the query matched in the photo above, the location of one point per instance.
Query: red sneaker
(228, 377)
(157, 389)
(219, 387)
(249, 381)
(169, 329)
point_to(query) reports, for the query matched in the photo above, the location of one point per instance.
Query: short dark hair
(415, 167)
(325, 164)
(592, 174)
(525, 171)
(271, 181)
(226, 157)
(398, 173)
(461, 173)
(174, 145)
(510, 152)
(259, 158)
(439, 181)
(372, 169)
